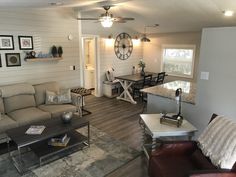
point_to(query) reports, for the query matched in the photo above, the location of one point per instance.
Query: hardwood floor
(120, 120)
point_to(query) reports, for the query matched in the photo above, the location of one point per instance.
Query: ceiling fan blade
(121, 19)
(87, 18)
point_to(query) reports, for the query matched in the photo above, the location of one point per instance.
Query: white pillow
(218, 142)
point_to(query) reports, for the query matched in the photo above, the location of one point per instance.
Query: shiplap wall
(109, 60)
(48, 27)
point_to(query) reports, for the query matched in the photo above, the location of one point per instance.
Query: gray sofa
(23, 103)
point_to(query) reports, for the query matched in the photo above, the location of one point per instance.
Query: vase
(142, 72)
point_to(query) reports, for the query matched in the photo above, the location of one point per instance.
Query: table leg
(153, 144)
(125, 95)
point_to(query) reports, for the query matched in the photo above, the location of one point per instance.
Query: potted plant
(142, 65)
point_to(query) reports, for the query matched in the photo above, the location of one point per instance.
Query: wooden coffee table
(38, 144)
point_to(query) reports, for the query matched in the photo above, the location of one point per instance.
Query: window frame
(179, 46)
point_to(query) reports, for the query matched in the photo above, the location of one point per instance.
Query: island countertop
(168, 90)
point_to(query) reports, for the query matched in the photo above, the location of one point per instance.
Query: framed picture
(13, 59)
(0, 61)
(26, 42)
(6, 42)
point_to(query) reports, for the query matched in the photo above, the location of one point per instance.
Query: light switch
(71, 68)
(204, 75)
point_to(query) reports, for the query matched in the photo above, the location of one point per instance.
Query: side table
(151, 126)
(83, 92)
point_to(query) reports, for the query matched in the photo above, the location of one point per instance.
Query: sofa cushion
(2, 110)
(57, 110)
(18, 102)
(7, 123)
(40, 91)
(16, 89)
(29, 115)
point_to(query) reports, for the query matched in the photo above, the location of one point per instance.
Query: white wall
(48, 27)
(216, 95)
(109, 60)
(152, 51)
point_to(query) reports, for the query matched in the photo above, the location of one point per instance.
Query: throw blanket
(218, 142)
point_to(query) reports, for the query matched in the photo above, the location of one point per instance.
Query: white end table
(151, 125)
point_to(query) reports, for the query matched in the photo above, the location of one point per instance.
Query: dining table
(127, 81)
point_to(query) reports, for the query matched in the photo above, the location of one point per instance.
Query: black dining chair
(159, 79)
(138, 86)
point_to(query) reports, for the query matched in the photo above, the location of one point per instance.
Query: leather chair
(182, 159)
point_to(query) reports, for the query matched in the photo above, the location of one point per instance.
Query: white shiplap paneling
(48, 27)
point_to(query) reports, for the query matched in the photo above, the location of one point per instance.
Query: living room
(197, 23)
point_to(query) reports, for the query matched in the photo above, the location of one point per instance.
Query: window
(178, 60)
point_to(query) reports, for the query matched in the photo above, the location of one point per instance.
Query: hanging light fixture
(145, 38)
(107, 21)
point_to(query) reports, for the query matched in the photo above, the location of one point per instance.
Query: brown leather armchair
(182, 159)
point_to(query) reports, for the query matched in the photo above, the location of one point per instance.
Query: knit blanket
(218, 142)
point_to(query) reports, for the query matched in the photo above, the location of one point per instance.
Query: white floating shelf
(43, 59)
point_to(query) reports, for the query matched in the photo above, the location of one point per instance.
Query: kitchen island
(161, 98)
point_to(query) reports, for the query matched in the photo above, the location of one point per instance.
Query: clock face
(123, 46)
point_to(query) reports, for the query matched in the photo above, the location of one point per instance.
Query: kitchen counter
(167, 90)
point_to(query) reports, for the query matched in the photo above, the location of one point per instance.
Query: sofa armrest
(77, 101)
(214, 173)
(175, 148)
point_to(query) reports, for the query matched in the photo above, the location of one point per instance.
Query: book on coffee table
(35, 130)
(61, 141)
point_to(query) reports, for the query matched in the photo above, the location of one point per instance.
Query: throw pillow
(64, 96)
(51, 97)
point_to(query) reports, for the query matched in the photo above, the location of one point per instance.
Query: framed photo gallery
(7, 43)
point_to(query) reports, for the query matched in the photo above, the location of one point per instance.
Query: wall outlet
(204, 75)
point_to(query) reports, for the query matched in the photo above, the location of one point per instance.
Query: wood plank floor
(120, 120)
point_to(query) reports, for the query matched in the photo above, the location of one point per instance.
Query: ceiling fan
(107, 19)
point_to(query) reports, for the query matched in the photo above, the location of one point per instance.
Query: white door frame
(97, 62)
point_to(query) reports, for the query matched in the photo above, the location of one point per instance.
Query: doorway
(90, 63)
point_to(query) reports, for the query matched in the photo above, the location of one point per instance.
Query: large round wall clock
(123, 46)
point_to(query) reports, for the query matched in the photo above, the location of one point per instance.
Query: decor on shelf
(26, 42)
(13, 59)
(6, 42)
(142, 65)
(54, 51)
(60, 51)
(123, 46)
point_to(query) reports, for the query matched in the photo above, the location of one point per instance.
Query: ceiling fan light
(106, 22)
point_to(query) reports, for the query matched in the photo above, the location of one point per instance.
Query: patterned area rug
(104, 155)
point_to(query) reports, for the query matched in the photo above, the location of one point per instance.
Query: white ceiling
(172, 15)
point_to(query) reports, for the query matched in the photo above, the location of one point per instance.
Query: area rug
(104, 155)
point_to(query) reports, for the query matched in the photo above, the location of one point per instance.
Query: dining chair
(159, 79)
(145, 83)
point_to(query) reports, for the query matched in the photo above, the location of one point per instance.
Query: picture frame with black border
(13, 59)
(0, 61)
(6, 42)
(26, 42)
